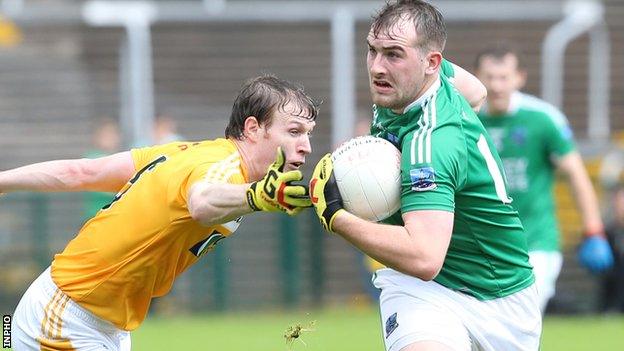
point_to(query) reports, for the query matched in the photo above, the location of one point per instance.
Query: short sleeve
(431, 169)
(224, 171)
(559, 139)
(143, 156)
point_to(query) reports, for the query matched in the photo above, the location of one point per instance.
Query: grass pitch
(339, 329)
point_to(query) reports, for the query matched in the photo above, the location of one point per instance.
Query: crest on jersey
(391, 324)
(423, 178)
(207, 244)
(519, 135)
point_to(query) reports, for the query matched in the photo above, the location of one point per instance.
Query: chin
(382, 101)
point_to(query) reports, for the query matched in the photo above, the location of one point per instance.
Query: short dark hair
(427, 19)
(261, 97)
(498, 51)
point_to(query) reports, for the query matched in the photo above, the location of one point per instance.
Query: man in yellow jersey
(174, 203)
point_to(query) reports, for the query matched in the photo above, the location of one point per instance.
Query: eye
(392, 54)
(294, 132)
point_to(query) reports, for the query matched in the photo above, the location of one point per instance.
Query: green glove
(324, 193)
(276, 191)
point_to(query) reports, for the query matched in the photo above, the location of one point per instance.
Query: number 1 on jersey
(495, 172)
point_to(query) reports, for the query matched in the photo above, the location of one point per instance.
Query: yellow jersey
(136, 246)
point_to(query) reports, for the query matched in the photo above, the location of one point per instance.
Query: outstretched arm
(107, 173)
(213, 203)
(469, 86)
(594, 252)
(584, 195)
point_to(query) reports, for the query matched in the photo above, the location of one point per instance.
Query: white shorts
(46, 319)
(414, 310)
(546, 268)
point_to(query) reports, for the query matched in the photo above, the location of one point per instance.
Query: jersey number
(495, 172)
(150, 166)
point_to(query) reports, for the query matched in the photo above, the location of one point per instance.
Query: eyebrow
(387, 48)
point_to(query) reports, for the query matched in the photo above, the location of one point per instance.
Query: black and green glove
(324, 192)
(276, 190)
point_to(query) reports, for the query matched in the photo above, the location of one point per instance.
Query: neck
(429, 82)
(246, 156)
(499, 110)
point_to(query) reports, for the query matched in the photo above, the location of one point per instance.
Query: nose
(375, 65)
(305, 147)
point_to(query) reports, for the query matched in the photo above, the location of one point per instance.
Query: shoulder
(541, 109)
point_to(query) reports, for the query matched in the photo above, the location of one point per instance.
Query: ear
(251, 129)
(433, 61)
(522, 77)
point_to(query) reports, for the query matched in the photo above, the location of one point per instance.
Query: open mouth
(382, 84)
(296, 165)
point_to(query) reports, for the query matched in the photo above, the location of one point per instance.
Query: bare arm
(212, 203)
(417, 249)
(108, 173)
(470, 87)
(586, 201)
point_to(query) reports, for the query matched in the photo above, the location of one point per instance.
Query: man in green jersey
(458, 275)
(534, 140)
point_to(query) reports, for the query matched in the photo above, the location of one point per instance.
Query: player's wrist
(594, 233)
(250, 195)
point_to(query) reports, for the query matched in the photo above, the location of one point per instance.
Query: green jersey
(449, 163)
(528, 137)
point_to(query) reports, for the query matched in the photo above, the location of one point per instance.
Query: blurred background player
(175, 202)
(534, 140)
(456, 254)
(165, 129)
(106, 141)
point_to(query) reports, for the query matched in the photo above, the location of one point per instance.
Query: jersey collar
(423, 98)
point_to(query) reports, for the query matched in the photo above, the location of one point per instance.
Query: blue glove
(595, 254)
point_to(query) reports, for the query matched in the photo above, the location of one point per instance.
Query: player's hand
(595, 254)
(324, 192)
(276, 190)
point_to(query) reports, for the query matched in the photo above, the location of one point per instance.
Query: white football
(368, 174)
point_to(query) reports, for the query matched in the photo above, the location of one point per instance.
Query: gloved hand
(595, 254)
(324, 193)
(276, 190)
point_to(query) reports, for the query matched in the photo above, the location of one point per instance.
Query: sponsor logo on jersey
(391, 324)
(423, 178)
(393, 139)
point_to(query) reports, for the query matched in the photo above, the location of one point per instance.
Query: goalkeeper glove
(595, 254)
(276, 191)
(324, 192)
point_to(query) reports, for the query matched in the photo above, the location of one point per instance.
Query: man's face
(289, 130)
(396, 68)
(501, 77)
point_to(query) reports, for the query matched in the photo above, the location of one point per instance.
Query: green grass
(344, 330)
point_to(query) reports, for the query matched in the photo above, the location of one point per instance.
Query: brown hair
(261, 96)
(427, 19)
(498, 51)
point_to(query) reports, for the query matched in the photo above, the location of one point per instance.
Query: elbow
(78, 175)
(429, 272)
(200, 212)
(479, 98)
(426, 270)
(199, 208)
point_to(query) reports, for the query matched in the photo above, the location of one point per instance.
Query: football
(368, 174)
